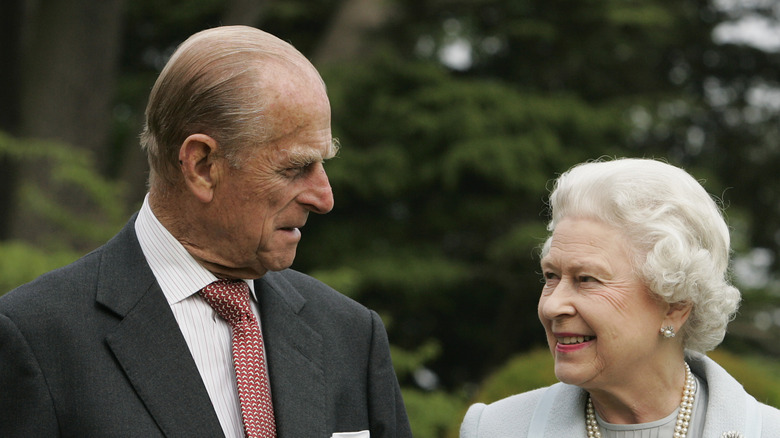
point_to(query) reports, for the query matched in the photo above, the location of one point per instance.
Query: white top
(208, 336)
(663, 428)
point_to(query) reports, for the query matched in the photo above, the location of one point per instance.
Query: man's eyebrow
(334, 149)
(300, 157)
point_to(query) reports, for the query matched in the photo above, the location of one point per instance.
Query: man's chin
(256, 270)
(279, 262)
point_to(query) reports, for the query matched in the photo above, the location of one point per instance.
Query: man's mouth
(571, 340)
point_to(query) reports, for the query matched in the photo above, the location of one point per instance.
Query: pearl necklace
(683, 416)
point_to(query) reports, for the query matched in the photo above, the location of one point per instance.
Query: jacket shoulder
(74, 282)
(508, 417)
(64, 280)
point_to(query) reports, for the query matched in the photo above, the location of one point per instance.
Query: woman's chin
(569, 373)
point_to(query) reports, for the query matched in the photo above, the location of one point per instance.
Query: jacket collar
(148, 343)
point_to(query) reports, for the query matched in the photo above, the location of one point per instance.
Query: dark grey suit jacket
(93, 350)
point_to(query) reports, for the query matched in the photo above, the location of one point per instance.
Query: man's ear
(197, 160)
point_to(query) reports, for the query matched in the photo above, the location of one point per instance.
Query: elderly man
(188, 323)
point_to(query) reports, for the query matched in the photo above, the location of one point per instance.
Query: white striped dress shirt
(208, 336)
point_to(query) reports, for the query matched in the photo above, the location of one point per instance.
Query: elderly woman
(635, 291)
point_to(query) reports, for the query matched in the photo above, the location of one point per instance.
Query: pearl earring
(668, 331)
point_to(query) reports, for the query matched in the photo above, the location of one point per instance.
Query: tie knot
(229, 298)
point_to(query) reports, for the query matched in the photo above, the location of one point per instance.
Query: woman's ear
(197, 160)
(677, 314)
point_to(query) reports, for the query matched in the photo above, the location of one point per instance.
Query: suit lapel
(148, 343)
(295, 359)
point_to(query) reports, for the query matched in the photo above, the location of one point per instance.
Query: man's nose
(318, 197)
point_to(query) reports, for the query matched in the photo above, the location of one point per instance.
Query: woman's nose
(558, 302)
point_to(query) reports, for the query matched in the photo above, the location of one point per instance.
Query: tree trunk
(246, 12)
(69, 59)
(349, 35)
(11, 12)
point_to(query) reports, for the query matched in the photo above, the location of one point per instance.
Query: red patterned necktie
(230, 299)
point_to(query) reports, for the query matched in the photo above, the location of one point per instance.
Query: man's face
(261, 206)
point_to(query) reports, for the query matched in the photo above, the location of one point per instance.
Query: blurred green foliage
(69, 208)
(759, 375)
(431, 412)
(66, 203)
(21, 262)
(523, 372)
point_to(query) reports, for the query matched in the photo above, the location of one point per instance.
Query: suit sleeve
(26, 407)
(387, 412)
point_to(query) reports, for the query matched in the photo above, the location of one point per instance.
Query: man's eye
(292, 172)
(297, 170)
(587, 279)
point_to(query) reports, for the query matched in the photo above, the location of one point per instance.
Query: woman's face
(602, 323)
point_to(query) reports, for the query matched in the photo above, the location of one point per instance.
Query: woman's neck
(642, 398)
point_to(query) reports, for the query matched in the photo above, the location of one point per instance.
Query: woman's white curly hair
(677, 232)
